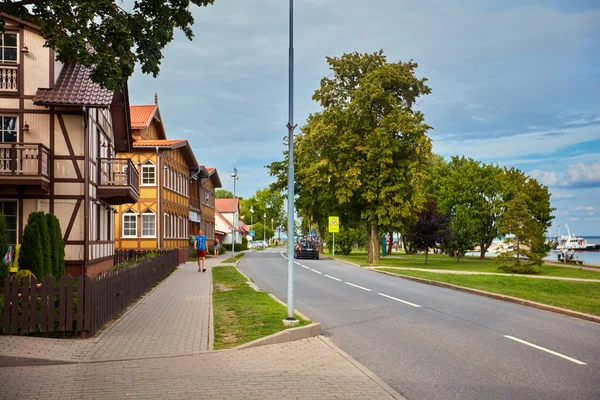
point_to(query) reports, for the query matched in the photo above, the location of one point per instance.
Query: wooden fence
(78, 306)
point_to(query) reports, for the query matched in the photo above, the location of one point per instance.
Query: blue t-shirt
(200, 242)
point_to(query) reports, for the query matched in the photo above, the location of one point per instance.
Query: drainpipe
(159, 215)
(86, 191)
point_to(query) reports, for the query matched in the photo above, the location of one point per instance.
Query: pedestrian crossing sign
(334, 224)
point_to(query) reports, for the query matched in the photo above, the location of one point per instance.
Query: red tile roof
(227, 205)
(142, 115)
(74, 87)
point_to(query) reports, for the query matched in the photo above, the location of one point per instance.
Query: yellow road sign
(334, 224)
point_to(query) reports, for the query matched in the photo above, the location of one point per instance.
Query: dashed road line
(360, 287)
(333, 277)
(304, 266)
(318, 272)
(535, 346)
(401, 301)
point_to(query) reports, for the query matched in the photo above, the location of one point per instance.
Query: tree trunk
(373, 255)
(407, 250)
(458, 256)
(391, 244)
(321, 236)
(426, 254)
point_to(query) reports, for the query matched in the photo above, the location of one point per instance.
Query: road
(435, 343)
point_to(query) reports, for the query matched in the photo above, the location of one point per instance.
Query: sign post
(334, 227)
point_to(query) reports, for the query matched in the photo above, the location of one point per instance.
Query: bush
(57, 245)
(237, 247)
(30, 256)
(39, 219)
(245, 242)
(345, 240)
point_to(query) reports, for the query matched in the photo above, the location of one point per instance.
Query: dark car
(307, 249)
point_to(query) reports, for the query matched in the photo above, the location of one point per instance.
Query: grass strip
(468, 263)
(233, 260)
(577, 296)
(242, 314)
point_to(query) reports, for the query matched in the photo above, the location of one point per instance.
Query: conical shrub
(39, 219)
(30, 256)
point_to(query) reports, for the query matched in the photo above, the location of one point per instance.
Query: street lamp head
(265, 215)
(252, 209)
(234, 173)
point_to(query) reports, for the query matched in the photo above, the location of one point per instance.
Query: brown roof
(74, 87)
(227, 205)
(170, 144)
(142, 115)
(214, 177)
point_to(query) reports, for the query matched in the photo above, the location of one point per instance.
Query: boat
(571, 241)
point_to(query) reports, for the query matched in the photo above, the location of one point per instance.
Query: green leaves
(101, 35)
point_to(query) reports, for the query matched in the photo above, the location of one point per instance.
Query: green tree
(259, 231)
(39, 219)
(3, 245)
(57, 245)
(30, 256)
(223, 194)
(367, 145)
(525, 233)
(103, 36)
(477, 187)
(346, 239)
(265, 201)
(462, 234)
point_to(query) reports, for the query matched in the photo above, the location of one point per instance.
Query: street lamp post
(235, 177)
(291, 319)
(265, 228)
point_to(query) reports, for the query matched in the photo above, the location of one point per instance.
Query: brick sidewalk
(304, 369)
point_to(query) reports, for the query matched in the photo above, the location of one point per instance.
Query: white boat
(576, 243)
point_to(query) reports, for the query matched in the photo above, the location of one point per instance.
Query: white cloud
(577, 175)
(573, 219)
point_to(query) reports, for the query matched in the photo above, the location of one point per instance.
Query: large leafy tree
(367, 145)
(103, 36)
(264, 201)
(223, 194)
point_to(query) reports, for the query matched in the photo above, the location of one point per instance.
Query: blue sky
(515, 83)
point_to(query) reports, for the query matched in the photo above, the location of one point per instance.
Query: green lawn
(578, 296)
(232, 260)
(240, 313)
(474, 264)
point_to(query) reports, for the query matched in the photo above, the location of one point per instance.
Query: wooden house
(160, 219)
(59, 136)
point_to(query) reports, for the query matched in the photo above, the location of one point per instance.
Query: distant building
(229, 210)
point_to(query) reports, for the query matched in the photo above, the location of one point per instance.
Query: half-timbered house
(160, 219)
(59, 135)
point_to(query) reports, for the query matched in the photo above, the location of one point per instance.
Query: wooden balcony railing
(195, 203)
(119, 172)
(8, 79)
(24, 159)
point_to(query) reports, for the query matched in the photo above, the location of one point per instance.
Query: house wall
(86, 226)
(208, 210)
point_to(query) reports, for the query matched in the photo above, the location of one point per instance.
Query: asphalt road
(435, 343)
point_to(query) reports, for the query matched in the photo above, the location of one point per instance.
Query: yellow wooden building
(160, 218)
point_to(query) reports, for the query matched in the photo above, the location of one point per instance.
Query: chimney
(156, 98)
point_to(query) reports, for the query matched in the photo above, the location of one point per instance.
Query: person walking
(217, 246)
(200, 245)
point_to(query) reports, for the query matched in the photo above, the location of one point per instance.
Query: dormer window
(8, 45)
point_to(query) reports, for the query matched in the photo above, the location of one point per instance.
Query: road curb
(346, 262)
(363, 369)
(287, 335)
(517, 300)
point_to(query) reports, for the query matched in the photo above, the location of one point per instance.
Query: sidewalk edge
(517, 300)
(391, 391)
(284, 336)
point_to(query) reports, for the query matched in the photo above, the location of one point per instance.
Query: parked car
(259, 244)
(307, 248)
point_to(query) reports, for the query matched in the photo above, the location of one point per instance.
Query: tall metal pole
(234, 176)
(290, 126)
(265, 228)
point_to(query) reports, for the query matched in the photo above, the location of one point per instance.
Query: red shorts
(201, 253)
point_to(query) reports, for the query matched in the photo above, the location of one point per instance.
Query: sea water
(589, 257)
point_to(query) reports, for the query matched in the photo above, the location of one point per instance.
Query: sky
(515, 83)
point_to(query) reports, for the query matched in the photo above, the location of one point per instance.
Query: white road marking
(305, 266)
(401, 301)
(318, 272)
(360, 287)
(535, 346)
(333, 277)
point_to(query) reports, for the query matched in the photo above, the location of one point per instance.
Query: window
(166, 182)
(148, 173)
(180, 227)
(9, 209)
(8, 129)
(148, 224)
(8, 44)
(129, 224)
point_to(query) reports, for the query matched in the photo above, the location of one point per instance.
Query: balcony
(119, 181)
(194, 203)
(26, 166)
(8, 79)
